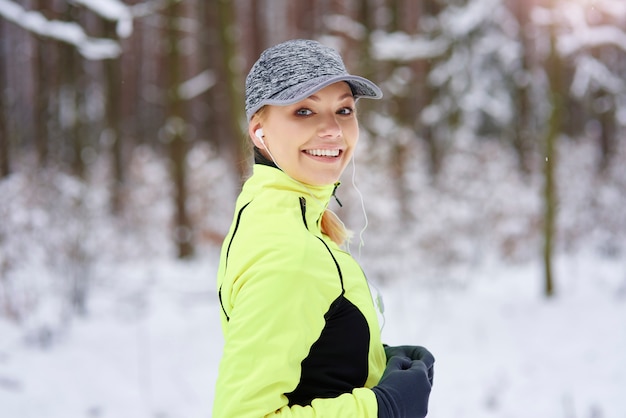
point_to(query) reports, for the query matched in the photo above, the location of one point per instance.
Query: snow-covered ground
(502, 349)
(150, 342)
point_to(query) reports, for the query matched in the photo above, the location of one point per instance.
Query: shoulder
(270, 229)
(273, 215)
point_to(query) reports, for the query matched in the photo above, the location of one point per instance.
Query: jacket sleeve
(276, 312)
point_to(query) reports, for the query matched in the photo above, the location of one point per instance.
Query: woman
(300, 328)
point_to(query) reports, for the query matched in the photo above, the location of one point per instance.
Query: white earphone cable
(366, 221)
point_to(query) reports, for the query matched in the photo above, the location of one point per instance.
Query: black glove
(414, 352)
(403, 390)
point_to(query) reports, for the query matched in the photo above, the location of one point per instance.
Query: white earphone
(259, 134)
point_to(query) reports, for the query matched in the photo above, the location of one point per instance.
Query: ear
(253, 126)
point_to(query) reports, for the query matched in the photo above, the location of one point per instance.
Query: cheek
(352, 130)
(353, 137)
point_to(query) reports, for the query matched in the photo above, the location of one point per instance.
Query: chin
(317, 181)
(324, 182)
(317, 177)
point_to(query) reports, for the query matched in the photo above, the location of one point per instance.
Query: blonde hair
(330, 224)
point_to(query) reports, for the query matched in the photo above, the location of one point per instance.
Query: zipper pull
(335, 196)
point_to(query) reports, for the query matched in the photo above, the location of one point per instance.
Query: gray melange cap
(292, 71)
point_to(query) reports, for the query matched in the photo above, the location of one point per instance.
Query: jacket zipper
(335, 196)
(303, 210)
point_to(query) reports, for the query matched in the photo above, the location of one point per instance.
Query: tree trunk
(209, 123)
(257, 31)
(112, 75)
(41, 89)
(301, 16)
(232, 91)
(404, 19)
(69, 104)
(522, 137)
(555, 76)
(364, 63)
(175, 129)
(607, 136)
(435, 144)
(132, 104)
(5, 147)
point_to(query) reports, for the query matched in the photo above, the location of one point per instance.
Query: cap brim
(361, 87)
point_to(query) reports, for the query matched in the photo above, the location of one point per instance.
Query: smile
(323, 152)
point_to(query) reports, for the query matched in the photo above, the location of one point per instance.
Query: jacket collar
(268, 176)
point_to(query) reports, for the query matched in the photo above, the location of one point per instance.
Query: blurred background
(497, 155)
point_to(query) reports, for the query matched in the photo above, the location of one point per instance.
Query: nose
(330, 127)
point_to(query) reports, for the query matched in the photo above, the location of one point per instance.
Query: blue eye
(346, 111)
(304, 112)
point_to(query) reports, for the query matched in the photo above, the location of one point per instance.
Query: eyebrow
(317, 99)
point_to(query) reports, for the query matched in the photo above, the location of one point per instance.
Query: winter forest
(487, 197)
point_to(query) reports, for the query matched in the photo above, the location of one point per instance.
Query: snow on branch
(123, 14)
(112, 10)
(197, 85)
(576, 34)
(344, 24)
(589, 37)
(68, 32)
(400, 46)
(461, 21)
(589, 70)
(147, 8)
(74, 34)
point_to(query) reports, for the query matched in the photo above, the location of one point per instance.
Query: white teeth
(323, 152)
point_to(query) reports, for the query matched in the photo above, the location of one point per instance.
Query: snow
(113, 10)
(589, 70)
(461, 21)
(582, 35)
(502, 350)
(576, 33)
(399, 46)
(69, 32)
(197, 85)
(148, 7)
(343, 24)
(72, 33)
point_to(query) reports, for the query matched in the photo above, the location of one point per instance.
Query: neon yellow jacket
(301, 335)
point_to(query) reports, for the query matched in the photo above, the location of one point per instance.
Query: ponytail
(332, 226)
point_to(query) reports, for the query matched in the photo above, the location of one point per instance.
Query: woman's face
(313, 140)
